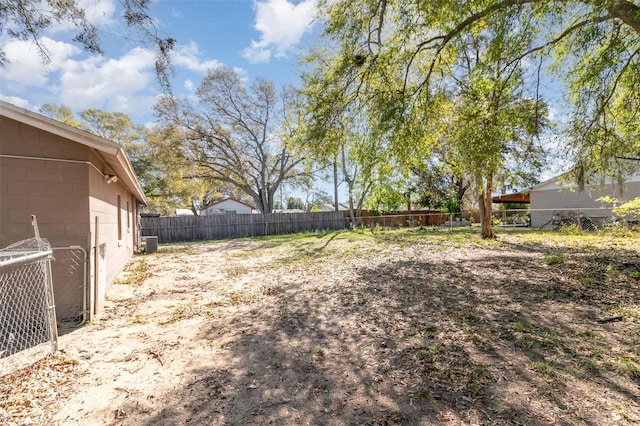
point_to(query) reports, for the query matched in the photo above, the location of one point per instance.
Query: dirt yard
(402, 327)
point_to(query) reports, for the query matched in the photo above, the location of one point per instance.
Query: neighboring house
(83, 192)
(327, 207)
(559, 198)
(184, 212)
(227, 205)
(555, 197)
(288, 211)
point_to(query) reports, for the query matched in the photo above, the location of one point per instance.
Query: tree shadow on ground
(493, 336)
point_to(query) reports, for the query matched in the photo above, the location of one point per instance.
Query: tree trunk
(485, 204)
(271, 194)
(262, 200)
(194, 209)
(352, 216)
(335, 184)
(486, 216)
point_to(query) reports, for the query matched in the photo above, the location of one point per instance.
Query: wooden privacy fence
(233, 225)
(402, 219)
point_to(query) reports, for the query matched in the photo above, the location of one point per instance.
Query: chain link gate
(70, 285)
(28, 330)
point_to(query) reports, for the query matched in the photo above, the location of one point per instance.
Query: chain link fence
(28, 330)
(583, 218)
(69, 273)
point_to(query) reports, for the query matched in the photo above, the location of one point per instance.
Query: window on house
(128, 216)
(119, 218)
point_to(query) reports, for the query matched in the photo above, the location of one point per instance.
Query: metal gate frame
(80, 313)
(28, 330)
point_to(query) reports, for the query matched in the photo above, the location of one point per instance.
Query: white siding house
(556, 196)
(227, 205)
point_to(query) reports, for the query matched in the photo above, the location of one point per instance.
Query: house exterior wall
(66, 197)
(56, 192)
(114, 227)
(552, 198)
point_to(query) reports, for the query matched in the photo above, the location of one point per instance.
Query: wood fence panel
(232, 225)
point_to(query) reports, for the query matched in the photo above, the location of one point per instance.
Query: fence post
(46, 267)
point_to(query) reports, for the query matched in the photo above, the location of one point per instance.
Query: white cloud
(282, 25)
(190, 57)
(257, 53)
(175, 12)
(113, 84)
(19, 102)
(26, 67)
(188, 84)
(242, 73)
(99, 13)
(117, 84)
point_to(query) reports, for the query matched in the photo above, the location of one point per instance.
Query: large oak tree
(239, 135)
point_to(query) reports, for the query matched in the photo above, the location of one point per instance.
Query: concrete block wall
(103, 205)
(56, 192)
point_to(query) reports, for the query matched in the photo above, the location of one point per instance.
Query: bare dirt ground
(415, 328)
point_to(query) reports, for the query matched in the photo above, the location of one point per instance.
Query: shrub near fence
(401, 219)
(233, 225)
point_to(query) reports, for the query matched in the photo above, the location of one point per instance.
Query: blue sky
(261, 38)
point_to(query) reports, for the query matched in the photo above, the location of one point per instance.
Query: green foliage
(541, 367)
(438, 179)
(135, 273)
(478, 114)
(451, 204)
(628, 210)
(553, 258)
(405, 61)
(169, 179)
(61, 113)
(629, 367)
(295, 203)
(571, 229)
(386, 198)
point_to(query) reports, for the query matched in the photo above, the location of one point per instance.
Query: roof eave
(111, 151)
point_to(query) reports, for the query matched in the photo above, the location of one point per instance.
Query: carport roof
(516, 198)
